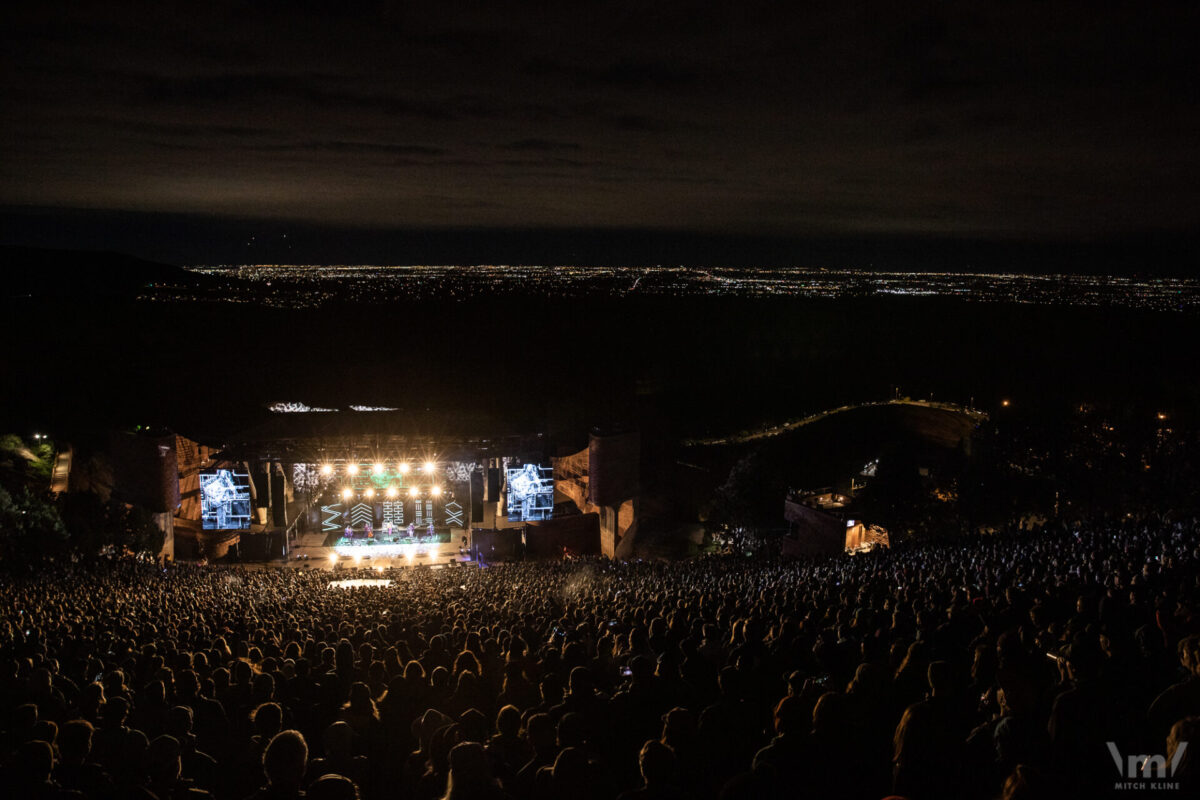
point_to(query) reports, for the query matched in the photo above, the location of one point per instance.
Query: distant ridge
(37, 272)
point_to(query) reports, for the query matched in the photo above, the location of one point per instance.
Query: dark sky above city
(1064, 121)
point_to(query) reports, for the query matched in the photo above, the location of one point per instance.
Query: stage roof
(366, 435)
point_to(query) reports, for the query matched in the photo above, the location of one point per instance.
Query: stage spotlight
(412, 554)
(391, 491)
(414, 492)
(352, 469)
(327, 469)
(377, 469)
(369, 493)
(436, 491)
(429, 467)
(333, 557)
(358, 561)
(347, 494)
(378, 568)
(403, 467)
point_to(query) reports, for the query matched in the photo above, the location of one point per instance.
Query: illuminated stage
(319, 551)
(415, 549)
(362, 485)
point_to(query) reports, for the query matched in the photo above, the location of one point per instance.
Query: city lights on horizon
(558, 280)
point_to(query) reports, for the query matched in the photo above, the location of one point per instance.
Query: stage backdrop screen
(530, 493)
(225, 499)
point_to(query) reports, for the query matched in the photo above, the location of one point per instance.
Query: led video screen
(225, 499)
(530, 493)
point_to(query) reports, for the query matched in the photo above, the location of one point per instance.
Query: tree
(31, 529)
(139, 532)
(27, 463)
(96, 525)
(897, 496)
(752, 496)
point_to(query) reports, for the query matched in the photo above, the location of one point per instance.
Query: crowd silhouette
(1025, 664)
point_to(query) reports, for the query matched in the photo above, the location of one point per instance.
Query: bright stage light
(403, 467)
(391, 491)
(430, 467)
(412, 554)
(436, 491)
(347, 494)
(327, 469)
(414, 492)
(369, 493)
(358, 561)
(352, 469)
(377, 469)
(378, 568)
(333, 557)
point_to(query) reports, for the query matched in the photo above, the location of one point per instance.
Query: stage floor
(313, 547)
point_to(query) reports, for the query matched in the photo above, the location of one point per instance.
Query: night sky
(178, 131)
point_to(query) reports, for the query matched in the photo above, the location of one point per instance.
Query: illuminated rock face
(613, 467)
(604, 479)
(146, 470)
(819, 532)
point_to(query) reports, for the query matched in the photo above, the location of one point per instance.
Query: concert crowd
(1025, 664)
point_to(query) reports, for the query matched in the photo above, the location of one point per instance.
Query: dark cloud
(1022, 119)
(624, 74)
(541, 145)
(356, 148)
(639, 122)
